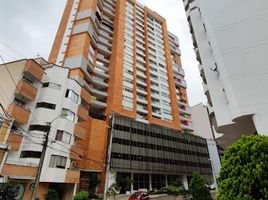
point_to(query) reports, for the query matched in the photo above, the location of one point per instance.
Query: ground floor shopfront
(147, 181)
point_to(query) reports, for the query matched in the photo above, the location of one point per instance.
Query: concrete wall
(232, 40)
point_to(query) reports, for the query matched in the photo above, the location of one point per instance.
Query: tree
(198, 189)
(244, 171)
(8, 190)
(81, 196)
(174, 190)
(52, 194)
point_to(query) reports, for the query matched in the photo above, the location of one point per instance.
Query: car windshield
(136, 194)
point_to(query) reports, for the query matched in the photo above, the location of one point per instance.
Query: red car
(139, 196)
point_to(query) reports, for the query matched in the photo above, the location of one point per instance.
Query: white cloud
(30, 26)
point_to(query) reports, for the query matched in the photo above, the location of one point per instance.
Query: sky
(28, 28)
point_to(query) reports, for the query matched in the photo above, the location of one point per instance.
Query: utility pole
(40, 166)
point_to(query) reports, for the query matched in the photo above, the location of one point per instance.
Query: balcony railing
(34, 70)
(18, 113)
(26, 90)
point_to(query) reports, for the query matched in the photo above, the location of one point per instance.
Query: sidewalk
(156, 197)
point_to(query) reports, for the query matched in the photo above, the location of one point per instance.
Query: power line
(14, 50)
(15, 84)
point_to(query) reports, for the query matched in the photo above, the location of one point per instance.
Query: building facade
(128, 63)
(230, 43)
(35, 93)
(110, 61)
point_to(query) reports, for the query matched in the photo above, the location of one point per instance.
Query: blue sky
(28, 29)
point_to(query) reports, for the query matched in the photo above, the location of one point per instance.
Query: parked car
(139, 196)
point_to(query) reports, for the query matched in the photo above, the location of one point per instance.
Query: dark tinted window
(46, 105)
(37, 127)
(30, 154)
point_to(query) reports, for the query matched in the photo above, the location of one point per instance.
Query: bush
(8, 190)
(81, 196)
(244, 171)
(174, 190)
(52, 195)
(198, 189)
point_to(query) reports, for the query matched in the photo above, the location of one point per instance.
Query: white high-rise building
(231, 43)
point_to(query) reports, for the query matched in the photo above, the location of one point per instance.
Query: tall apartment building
(116, 94)
(230, 40)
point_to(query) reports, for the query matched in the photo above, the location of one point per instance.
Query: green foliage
(7, 190)
(52, 195)
(81, 196)
(174, 190)
(244, 171)
(198, 188)
(124, 183)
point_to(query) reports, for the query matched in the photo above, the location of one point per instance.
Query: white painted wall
(201, 122)
(233, 34)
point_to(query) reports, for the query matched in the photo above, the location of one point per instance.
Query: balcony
(141, 91)
(76, 152)
(182, 103)
(79, 132)
(185, 110)
(72, 176)
(181, 83)
(85, 95)
(97, 103)
(142, 110)
(18, 113)
(141, 74)
(98, 92)
(141, 67)
(26, 90)
(14, 141)
(104, 50)
(141, 82)
(184, 118)
(187, 125)
(82, 112)
(107, 19)
(106, 35)
(108, 12)
(141, 100)
(102, 59)
(99, 82)
(107, 29)
(101, 73)
(33, 70)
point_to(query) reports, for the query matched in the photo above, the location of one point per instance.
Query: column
(132, 178)
(185, 182)
(150, 182)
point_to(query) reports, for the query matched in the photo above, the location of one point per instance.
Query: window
(67, 114)
(30, 154)
(46, 105)
(37, 127)
(57, 162)
(63, 136)
(72, 95)
(52, 85)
